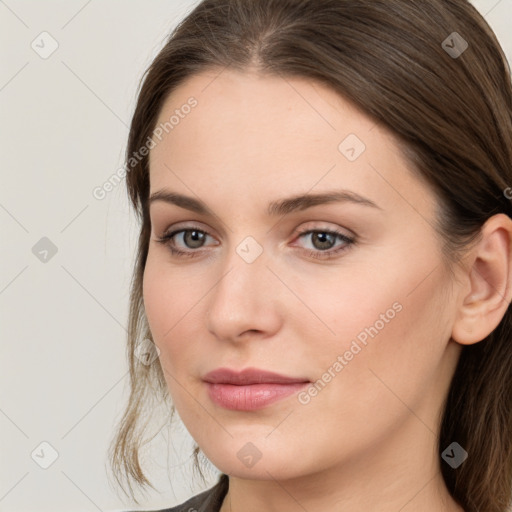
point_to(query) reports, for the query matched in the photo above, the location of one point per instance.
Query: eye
(191, 238)
(324, 240)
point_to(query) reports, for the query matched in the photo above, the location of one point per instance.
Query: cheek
(158, 298)
(345, 307)
(166, 302)
(391, 335)
(172, 302)
(391, 327)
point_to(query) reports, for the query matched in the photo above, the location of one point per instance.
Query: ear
(488, 283)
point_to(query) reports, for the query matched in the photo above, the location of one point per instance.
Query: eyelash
(167, 240)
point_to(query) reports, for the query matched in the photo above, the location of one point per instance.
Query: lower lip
(251, 397)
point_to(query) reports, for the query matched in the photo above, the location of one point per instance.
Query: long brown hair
(452, 115)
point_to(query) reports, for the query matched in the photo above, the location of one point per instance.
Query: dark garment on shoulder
(208, 501)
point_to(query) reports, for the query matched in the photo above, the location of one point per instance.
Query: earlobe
(489, 278)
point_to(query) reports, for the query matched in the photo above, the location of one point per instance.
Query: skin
(368, 439)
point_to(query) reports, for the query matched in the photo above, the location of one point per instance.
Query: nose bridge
(245, 267)
(242, 298)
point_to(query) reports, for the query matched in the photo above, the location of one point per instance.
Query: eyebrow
(275, 208)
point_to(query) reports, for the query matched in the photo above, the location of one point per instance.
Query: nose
(245, 301)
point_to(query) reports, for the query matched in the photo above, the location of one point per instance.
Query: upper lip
(248, 376)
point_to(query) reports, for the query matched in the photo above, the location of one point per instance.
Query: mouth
(250, 389)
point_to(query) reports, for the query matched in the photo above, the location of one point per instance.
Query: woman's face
(349, 294)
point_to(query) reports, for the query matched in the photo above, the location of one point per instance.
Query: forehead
(255, 107)
(248, 133)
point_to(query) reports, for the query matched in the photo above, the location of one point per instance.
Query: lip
(249, 376)
(250, 389)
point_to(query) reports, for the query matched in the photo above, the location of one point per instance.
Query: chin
(258, 459)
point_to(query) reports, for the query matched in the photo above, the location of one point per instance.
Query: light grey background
(64, 123)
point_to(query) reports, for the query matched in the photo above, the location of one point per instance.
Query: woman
(324, 262)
